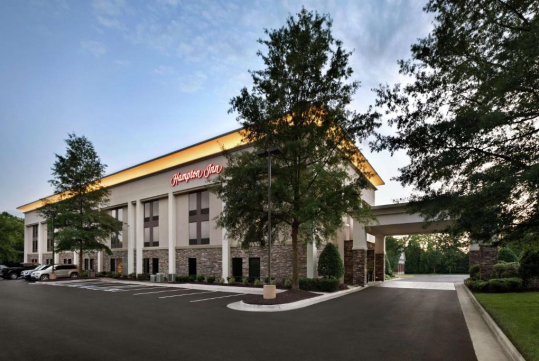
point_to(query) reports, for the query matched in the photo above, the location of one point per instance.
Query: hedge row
(319, 284)
(495, 285)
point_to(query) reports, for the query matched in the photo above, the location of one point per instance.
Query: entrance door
(237, 268)
(192, 266)
(254, 268)
(155, 265)
(119, 265)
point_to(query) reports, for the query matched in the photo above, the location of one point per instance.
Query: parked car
(62, 271)
(2, 267)
(15, 272)
(28, 273)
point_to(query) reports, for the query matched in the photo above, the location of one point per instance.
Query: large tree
(11, 238)
(469, 118)
(298, 103)
(82, 224)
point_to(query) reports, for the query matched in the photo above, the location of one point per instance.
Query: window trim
(116, 241)
(35, 238)
(198, 216)
(151, 222)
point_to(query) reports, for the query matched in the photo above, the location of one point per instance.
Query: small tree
(82, 224)
(11, 238)
(330, 263)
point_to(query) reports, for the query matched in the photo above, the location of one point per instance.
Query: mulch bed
(282, 298)
(70, 279)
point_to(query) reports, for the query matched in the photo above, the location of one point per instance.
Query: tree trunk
(295, 273)
(80, 260)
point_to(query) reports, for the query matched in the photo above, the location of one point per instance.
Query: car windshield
(39, 268)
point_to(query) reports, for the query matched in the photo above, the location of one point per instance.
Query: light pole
(269, 289)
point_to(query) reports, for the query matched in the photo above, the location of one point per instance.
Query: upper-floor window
(151, 224)
(116, 240)
(49, 241)
(34, 238)
(199, 218)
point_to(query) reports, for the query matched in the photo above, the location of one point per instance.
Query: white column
(312, 261)
(130, 238)
(76, 258)
(380, 244)
(359, 236)
(41, 241)
(474, 247)
(100, 261)
(225, 253)
(171, 233)
(139, 234)
(56, 258)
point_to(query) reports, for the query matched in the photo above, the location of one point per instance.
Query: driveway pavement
(435, 278)
(91, 323)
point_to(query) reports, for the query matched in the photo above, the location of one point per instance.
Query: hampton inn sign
(195, 174)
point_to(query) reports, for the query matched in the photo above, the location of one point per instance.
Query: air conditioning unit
(160, 277)
(153, 278)
(172, 277)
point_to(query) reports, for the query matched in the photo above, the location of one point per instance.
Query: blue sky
(143, 78)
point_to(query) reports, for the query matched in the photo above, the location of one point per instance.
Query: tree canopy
(299, 103)
(82, 224)
(469, 118)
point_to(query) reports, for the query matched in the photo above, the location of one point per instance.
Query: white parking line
(148, 293)
(139, 289)
(215, 298)
(188, 294)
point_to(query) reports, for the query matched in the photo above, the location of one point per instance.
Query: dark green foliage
(201, 278)
(300, 103)
(11, 238)
(143, 276)
(506, 270)
(394, 249)
(475, 271)
(319, 284)
(133, 275)
(506, 254)
(182, 278)
(192, 278)
(82, 223)
(389, 268)
(529, 266)
(497, 285)
(210, 279)
(245, 281)
(330, 263)
(435, 253)
(468, 119)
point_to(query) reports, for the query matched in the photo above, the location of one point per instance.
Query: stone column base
(380, 266)
(489, 257)
(360, 267)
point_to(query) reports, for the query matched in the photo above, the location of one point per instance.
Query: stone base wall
(44, 257)
(30, 257)
(115, 255)
(475, 258)
(161, 254)
(380, 266)
(489, 257)
(90, 256)
(67, 255)
(360, 267)
(370, 265)
(281, 260)
(209, 261)
(348, 263)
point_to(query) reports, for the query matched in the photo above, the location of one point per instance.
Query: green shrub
(506, 270)
(389, 268)
(319, 284)
(495, 285)
(231, 280)
(272, 280)
(287, 283)
(182, 278)
(529, 266)
(330, 263)
(192, 278)
(221, 280)
(116, 275)
(506, 254)
(133, 275)
(257, 281)
(475, 272)
(201, 278)
(210, 279)
(143, 276)
(84, 273)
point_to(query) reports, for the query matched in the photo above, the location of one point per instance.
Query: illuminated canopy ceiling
(204, 149)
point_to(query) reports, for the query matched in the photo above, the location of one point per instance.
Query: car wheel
(13, 276)
(74, 275)
(44, 277)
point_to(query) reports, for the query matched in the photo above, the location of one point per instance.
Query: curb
(504, 341)
(241, 306)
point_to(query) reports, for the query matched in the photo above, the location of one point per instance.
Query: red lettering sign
(211, 169)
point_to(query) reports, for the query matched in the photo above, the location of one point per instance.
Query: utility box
(160, 277)
(152, 278)
(172, 277)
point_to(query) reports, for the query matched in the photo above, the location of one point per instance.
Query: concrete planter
(270, 292)
(52, 276)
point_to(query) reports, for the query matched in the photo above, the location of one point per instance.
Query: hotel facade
(169, 227)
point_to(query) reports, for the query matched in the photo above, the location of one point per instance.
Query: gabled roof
(207, 148)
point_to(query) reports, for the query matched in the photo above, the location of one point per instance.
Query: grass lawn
(517, 314)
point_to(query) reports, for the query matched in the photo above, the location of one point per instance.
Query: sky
(143, 78)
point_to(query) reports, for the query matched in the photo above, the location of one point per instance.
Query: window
(254, 268)
(33, 260)
(199, 218)
(117, 239)
(155, 265)
(92, 264)
(34, 238)
(49, 261)
(192, 266)
(86, 264)
(113, 264)
(237, 268)
(69, 261)
(151, 224)
(145, 265)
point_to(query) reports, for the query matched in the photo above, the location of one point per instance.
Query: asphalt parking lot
(107, 321)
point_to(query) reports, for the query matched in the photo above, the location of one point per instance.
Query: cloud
(95, 48)
(120, 62)
(193, 82)
(163, 70)
(108, 12)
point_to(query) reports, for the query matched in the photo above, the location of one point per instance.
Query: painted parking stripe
(188, 294)
(140, 289)
(149, 293)
(215, 298)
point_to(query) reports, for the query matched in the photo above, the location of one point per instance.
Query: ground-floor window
(155, 265)
(192, 266)
(49, 260)
(254, 268)
(33, 260)
(113, 265)
(237, 268)
(92, 264)
(67, 261)
(145, 265)
(86, 264)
